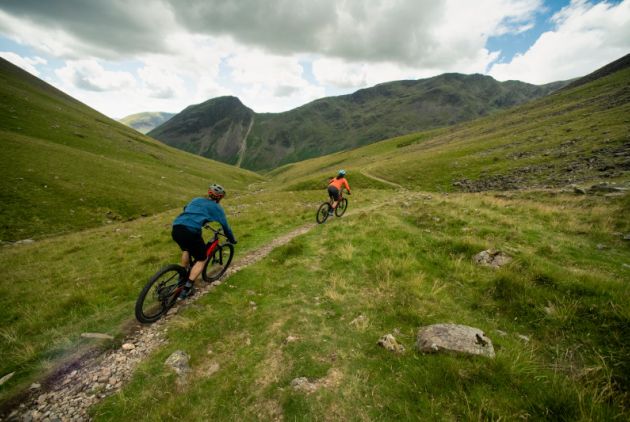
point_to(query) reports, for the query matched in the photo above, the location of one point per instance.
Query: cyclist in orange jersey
(334, 189)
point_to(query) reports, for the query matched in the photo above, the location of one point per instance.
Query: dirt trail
(387, 182)
(89, 379)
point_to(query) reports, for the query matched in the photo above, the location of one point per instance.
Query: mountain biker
(187, 231)
(334, 188)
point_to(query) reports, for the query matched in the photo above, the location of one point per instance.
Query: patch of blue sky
(511, 44)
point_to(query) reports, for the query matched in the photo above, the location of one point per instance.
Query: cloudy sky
(127, 56)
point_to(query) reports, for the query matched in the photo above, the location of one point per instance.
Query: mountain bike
(324, 209)
(162, 290)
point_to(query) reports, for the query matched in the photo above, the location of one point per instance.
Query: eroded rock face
(454, 338)
(492, 258)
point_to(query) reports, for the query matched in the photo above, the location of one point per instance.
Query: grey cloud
(112, 28)
(285, 91)
(370, 30)
(375, 30)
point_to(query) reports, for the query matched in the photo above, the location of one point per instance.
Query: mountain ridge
(331, 124)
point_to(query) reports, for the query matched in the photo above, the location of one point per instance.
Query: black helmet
(216, 191)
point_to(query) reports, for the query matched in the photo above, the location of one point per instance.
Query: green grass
(67, 167)
(55, 289)
(402, 267)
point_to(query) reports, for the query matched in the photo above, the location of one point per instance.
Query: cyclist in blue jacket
(187, 231)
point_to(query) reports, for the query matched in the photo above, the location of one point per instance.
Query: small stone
(389, 342)
(252, 303)
(35, 386)
(523, 337)
(178, 360)
(128, 346)
(492, 258)
(601, 246)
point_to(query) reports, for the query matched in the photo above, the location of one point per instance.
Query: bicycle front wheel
(341, 207)
(322, 213)
(160, 293)
(218, 263)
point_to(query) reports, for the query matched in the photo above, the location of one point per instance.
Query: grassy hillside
(558, 316)
(579, 135)
(147, 121)
(220, 128)
(67, 167)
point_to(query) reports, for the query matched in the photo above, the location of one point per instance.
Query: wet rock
(492, 258)
(388, 341)
(454, 338)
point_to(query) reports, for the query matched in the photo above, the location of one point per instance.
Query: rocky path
(88, 380)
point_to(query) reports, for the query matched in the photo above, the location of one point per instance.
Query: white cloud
(270, 82)
(27, 63)
(585, 37)
(91, 76)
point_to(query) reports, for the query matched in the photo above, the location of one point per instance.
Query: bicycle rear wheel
(218, 263)
(322, 213)
(160, 293)
(341, 207)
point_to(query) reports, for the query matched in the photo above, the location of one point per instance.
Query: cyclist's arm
(345, 182)
(226, 227)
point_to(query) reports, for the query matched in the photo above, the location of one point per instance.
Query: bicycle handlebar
(217, 232)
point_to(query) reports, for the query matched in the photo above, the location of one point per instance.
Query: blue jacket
(201, 211)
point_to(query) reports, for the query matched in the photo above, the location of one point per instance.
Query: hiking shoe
(187, 292)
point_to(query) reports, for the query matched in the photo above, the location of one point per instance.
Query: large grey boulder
(439, 338)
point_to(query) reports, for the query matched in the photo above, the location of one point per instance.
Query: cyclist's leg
(334, 196)
(185, 259)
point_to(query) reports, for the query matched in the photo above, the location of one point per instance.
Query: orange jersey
(338, 183)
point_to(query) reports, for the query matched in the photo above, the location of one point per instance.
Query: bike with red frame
(162, 290)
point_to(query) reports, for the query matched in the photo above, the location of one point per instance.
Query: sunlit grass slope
(558, 316)
(66, 167)
(56, 288)
(579, 135)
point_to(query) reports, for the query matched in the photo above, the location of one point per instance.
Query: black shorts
(333, 192)
(190, 241)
